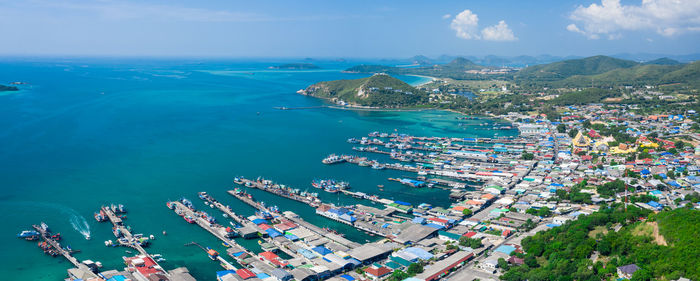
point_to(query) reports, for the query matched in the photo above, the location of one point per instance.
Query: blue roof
(263, 276)
(259, 221)
(347, 277)
(506, 249)
(420, 253)
(436, 226)
(322, 250)
(291, 237)
(655, 204)
(402, 203)
(222, 273)
(114, 278)
(272, 232)
(418, 220)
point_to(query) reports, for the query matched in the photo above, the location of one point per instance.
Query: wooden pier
(65, 253)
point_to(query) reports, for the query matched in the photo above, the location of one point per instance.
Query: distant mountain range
(596, 71)
(603, 71)
(524, 60)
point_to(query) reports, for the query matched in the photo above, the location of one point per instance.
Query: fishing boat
(44, 227)
(332, 159)
(100, 216)
(378, 167)
(28, 235)
(330, 185)
(187, 203)
(189, 219)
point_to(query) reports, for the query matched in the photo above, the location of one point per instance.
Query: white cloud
(499, 32)
(610, 18)
(465, 23)
(446, 16)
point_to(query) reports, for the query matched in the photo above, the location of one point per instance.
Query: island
(4, 88)
(377, 91)
(296, 66)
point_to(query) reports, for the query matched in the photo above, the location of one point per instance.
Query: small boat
(128, 252)
(28, 234)
(165, 233)
(45, 227)
(87, 236)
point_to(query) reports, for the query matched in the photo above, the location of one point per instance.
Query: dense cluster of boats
(330, 185)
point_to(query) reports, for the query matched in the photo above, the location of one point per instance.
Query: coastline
(423, 76)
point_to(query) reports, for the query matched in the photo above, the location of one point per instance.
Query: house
(626, 271)
(376, 272)
(447, 236)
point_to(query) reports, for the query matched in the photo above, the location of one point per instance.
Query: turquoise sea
(86, 132)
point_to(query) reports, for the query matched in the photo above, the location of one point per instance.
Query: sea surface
(85, 132)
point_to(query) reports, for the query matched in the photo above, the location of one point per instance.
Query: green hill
(647, 74)
(378, 90)
(564, 69)
(664, 61)
(589, 249)
(689, 74)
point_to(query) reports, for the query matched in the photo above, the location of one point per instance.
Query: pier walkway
(65, 253)
(299, 221)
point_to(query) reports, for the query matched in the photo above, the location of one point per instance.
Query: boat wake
(44, 209)
(80, 225)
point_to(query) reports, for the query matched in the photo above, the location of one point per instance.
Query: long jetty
(278, 190)
(65, 253)
(298, 220)
(119, 224)
(216, 231)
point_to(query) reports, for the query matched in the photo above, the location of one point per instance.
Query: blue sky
(348, 28)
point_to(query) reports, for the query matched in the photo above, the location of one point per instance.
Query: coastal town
(502, 190)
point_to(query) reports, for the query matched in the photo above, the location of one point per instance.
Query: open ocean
(87, 132)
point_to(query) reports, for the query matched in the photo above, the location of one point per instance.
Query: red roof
(245, 273)
(269, 255)
(469, 234)
(378, 271)
(438, 220)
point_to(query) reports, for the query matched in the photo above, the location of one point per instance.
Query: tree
(531, 261)
(503, 264)
(528, 156)
(470, 242)
(641, 275)
(467, 212)
(544, 212)
(398, 275)
(414, 269)
(573, 133)
(561, 128)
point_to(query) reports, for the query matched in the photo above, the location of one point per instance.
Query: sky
(357, 28)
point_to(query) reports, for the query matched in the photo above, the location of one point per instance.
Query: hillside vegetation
(564, 69)
(378, 90)
(568, 252)
(602, 71)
